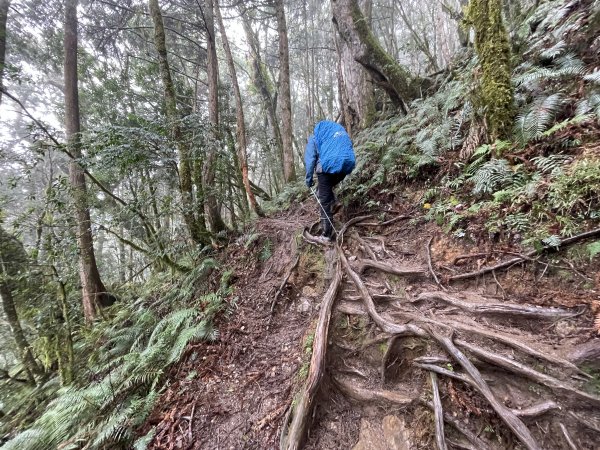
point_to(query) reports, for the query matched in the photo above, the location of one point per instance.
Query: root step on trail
(434, 318)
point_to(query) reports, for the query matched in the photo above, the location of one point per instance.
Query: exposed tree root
(386, 356)
(513, 422)
(524, 257)
(302, 411)
(385, 325)
(440, 437)
(500, 337)
(527, 372)
(471, 437)
(371, 395)
(365, 246)
(568, 438)
(348, 224)
(282, 286)
(394, 270)
(429, 263)
(497, 308)
(536, 410)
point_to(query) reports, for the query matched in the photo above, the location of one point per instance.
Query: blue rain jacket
(329, 150)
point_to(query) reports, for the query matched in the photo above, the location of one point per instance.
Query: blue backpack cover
(336, 153)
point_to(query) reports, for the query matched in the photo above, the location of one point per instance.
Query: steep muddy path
(395, 337)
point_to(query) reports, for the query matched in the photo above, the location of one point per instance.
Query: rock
(304, 305)
(390, 434)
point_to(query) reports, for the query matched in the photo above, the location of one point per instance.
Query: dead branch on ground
(526, 256)
(568, 438)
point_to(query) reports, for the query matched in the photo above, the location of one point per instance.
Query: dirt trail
(502, 346)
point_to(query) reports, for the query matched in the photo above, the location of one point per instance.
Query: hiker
(330, 154)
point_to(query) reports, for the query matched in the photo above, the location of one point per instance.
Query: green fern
(537, 117)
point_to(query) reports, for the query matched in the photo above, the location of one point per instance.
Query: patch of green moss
(495, 93)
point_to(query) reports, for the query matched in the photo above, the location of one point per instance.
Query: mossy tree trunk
(194, 219)
(495, 92)
(355, 32)
(285, 98)
(13, 263)
(355, 85)
(210, 164)
(263, 84)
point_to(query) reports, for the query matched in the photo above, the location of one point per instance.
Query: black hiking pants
(327, 181)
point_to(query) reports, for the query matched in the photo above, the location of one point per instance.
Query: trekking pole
(324, 212)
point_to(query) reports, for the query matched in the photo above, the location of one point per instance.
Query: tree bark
(285, 99)
(495, 92)
(13, 260)
(353, 30)
(91, 283)
(4, 4)
(355, 87)
(209, 171)
(193, 218)
(240, 120)
(262, 84)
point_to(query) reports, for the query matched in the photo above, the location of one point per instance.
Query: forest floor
(515, 350)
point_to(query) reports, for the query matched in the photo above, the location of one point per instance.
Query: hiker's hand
(310, 183)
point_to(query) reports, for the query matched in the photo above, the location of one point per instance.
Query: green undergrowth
(542, 182)
(123, 363)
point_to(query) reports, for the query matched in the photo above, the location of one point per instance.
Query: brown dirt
(235, 393)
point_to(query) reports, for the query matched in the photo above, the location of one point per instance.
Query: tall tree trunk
(285, 99)
(495, 92)
(262, 83)
(366, 50)
(212, 71)
(4, 4)
(91, 283)
(193, 218)
(355, 85)
(240, 121)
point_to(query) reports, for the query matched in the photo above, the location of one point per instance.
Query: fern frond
(494, 174)
(531, 123)
(554, 51)
(593, 77)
